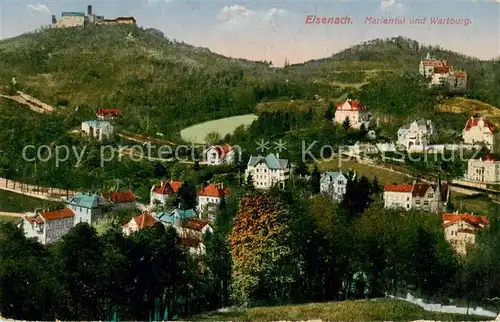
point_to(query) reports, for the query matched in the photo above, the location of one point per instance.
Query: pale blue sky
(275, 30)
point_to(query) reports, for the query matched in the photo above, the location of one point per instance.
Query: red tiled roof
(476, 221)
(461, 75)
(398, 188)
(120, 196)
(472, 122)
(108, 111)
(435, 63)
(57, 214)
(222, 150)
(166, 188)
(489, 157)
(354, 105)
(441, 69)
(195, 224)
(145, 220)
(213, 190)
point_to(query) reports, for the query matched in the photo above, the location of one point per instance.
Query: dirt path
(144, 139)
(30, 101)
(45, 193)
(11, 214)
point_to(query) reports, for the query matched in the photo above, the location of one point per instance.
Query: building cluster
(80, 19)
(440, 73)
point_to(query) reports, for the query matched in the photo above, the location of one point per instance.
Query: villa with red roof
(460, 230)
(439, 72)
(210, 197)
(353, 110)
(419, 196)
(486, 170)
(143, 220)
(161, 192)
(121, 199)
(219, 154)
(480, 131)
(108, 113)
(48, 226)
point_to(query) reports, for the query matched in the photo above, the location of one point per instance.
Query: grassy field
(198, 132)
(13, 202)
(480, 205)
(384, 176)
(470, 107)
(361, 310)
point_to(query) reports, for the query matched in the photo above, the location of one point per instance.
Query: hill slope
(164, 86)
(133, 69)
(376, 58)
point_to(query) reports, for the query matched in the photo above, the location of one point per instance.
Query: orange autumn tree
(260, 245)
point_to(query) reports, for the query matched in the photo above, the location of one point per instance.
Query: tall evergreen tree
(346, 124)
(315, 180)
(330, 112)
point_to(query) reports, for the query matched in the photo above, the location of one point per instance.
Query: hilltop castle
(80, 19)
(438, 72)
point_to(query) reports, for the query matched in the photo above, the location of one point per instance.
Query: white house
(161, 192)
(268, 171)
(421, 196)
(220, 154)
(460, 230)
(427, 66)
(195, 246)
(334, 185)
(415, 135)
(398, 196)
(48, 226)
(480, 130)
(485, 170)
(210, 197)
(355, 111)
(143, 220)
(97, 129)
(89, 208)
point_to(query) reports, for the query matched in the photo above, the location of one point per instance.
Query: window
(431, 195)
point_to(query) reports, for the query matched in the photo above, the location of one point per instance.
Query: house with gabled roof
(353, 110)
(460, 230)
(48, 226)
(121, 199)
(415, 135)
(268, 171)
(419, 196)
(220, 154)
(481, 131)
(88, 207)
(160, 193)
(333, 184)
(210, 197)
(143, 220)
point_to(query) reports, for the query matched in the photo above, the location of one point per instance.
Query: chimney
(277, 155)
(89, 10)
(54, 20)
